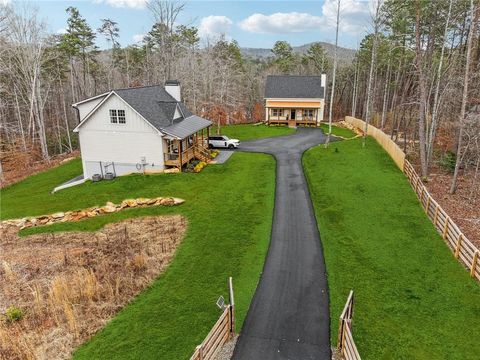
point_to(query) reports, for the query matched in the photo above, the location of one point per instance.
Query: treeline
(417, 77)
(42, 74)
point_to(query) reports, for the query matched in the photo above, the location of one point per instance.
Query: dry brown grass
(69, 285)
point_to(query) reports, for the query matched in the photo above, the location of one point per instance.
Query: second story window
(117, 116)
(113, 116)
(121, 116)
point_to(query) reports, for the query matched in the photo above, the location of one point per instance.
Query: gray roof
(187, 126)
(293, 86)
(157, 106)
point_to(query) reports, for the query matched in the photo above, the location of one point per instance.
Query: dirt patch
(464, 206)
(17, 166)
(68, 285)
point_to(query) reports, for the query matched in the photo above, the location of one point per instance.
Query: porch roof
(187, 127)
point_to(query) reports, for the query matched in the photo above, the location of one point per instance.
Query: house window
(121, 116)
(308, 113)
(117, 116)
(276, 112)
(113, 116)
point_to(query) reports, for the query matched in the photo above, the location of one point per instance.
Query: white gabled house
(139, 130)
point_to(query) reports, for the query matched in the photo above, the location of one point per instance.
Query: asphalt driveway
(289, 314)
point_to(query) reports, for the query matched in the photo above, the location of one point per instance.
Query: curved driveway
(289, 314)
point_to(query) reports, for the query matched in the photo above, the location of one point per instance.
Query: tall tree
(78, 41)
(111, 31)
(376, 29)
(284, 56)
(474, 17)
(334, 76)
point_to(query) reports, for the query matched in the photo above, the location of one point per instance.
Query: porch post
(180, 153)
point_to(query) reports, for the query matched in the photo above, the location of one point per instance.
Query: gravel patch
(227, 350)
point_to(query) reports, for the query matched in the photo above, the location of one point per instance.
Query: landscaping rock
(58, 215)
(109, 207)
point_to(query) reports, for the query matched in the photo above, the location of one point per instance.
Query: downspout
(78, 114)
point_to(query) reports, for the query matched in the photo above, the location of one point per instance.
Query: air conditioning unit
(96, 177)
(109, 176)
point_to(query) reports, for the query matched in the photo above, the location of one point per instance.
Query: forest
(416, 75)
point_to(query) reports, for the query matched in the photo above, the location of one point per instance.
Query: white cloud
(133, 4)
(292, 22)
(138, 37)
(61, 31)
(354, 18)
(214, 26)
(355, 15)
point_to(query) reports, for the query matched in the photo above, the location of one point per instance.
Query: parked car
(222, 141)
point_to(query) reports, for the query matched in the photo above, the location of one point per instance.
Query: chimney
(324, 80)
(173, 88)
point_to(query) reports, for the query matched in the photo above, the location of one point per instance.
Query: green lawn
(338, 131)
(229, 210)
(413, 300)
(249, 132)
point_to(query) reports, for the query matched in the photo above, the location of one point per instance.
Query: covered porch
(293, 116)
(185, 142)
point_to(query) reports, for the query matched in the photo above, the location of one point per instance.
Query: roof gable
(293, 86)
(153, 103)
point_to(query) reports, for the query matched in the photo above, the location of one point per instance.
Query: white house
(139, 130)
(295, 100)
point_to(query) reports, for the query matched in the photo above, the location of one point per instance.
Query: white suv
(222, 141)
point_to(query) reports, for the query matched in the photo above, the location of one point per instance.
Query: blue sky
(251, 23)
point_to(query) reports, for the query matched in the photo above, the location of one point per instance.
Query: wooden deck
(180, 159)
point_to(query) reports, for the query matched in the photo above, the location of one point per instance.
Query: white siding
(102, 142)
(85, 108)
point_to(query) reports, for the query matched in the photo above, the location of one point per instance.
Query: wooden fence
(463, 249)
(222, 331)
(383, 139)
(345, 345)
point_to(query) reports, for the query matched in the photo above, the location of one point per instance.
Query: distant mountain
(345, 55)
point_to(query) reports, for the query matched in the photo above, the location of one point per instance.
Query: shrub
(214, 154)
(199, 166)
(448, 161)
(191, 165)
(13, 313)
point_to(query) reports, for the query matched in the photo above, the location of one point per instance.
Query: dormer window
(117, 116)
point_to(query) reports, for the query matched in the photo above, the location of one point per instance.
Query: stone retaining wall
(77, 215)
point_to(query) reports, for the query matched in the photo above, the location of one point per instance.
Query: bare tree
(376, 29)
(474, 16)
(334, 75)
(165, 14)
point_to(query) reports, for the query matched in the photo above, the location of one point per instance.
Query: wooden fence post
(436, 215)
(200, 352)
(427, 207)
(341, 325)
(232, 307)
(459, 245)
(445, 229)
(474, 263)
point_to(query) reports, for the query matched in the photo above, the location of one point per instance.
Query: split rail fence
(463, 249)
(345, 345)
(222, 331)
